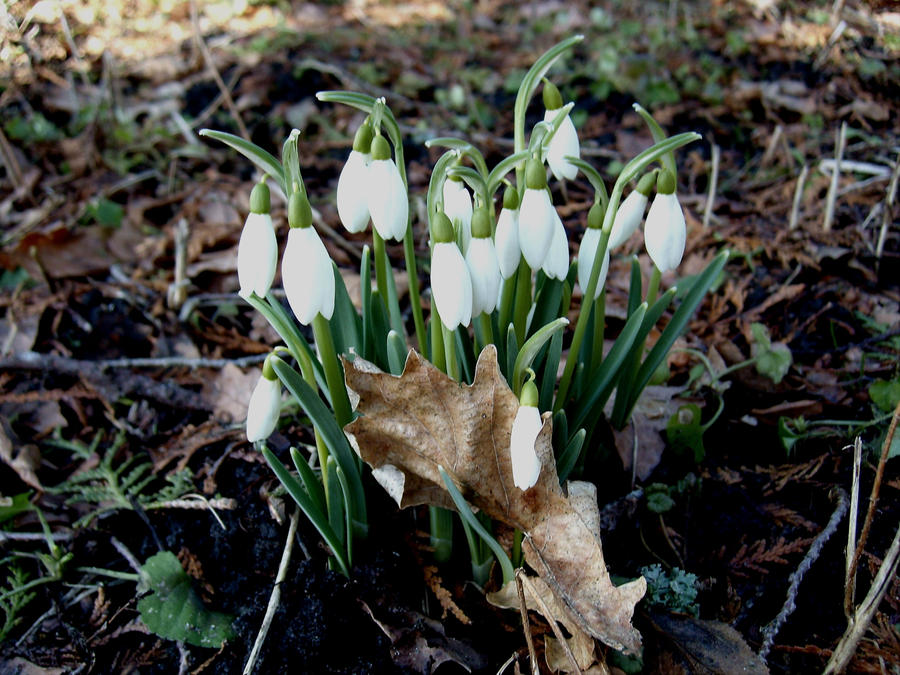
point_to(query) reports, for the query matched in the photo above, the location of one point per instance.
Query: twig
(831, 197)
(850, 584)
(870, 513)
(34, 536)
(811, 556)
(29, 361)
(864, 613)
(772, 146)
(553, 623)
(832, 40)
(207, 57)
(275, 597)
(127, 554)
(526, 625)
(798, 197)
(713, 181)
(888, 212)
(178, 289)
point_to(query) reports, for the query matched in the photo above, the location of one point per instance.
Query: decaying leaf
(411, 425)
(709, 647)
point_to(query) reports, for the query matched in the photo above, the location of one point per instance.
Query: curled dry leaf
(413, 424)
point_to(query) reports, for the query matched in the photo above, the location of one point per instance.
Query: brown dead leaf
(413, 424)
(23, 461)
(229, 392)
(710, 647)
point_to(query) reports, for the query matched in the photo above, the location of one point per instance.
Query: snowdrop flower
(265, 405)
(631, 211)
(481, 259)
(352, 196)
(506, 238)
(306, 268)
(556, 264)
(387, 198)
(565, 141)
(665, 231)
(587, 252)
(451, 285)
(258, 248)
(526, 466)
(536, 216)
(458, 207)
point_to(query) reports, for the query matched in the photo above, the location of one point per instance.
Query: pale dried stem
(220, 83)
(798, 197)
(831, 197)
(850, 584)
(713, 182)
(863, 615)
(275, 597)
(772, 145)
(526, 625)
(553, 624)
(870, 513)
(178, 289)
(888, 211)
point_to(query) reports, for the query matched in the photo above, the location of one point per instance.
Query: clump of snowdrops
(496, 277)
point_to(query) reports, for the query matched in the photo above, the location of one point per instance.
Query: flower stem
(522, 302)
(506, 302)
(450, 352)
(409, 256)
(599, 327)
(334, 376)
(384, 278)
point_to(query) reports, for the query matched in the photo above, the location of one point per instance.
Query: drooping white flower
(556, 264)
(565, 141)
(306, 269)
(665, 231)
(536, 216)
(451, 284)
(481, 259)
(352, 195)
(458, 207)
(258, 247)
(506, 238)
(526, 466)
(563, 144)
(387, 199)
(631, 212)
(586, 254)
(264, 408)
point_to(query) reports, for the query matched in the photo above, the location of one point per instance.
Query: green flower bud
(381, 149)
(260, 200)
(665, 183)
(646, 183)
(552, 98)
(441, 228)
(481, 223)
(299, 211)
(535, 175)
(511, 198)
(362, 141)
(595, 216)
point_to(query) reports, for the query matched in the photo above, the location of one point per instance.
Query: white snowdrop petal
(263, 410)
(352, 193)
(586, 254)
(628, 219)
(307, 275)
(526, 465)
(507, 242)
(665, 232)
(387, 199)
(536, 221)
(564, 143)
(458, 208)
(257, 255)
(451, 286)
(556, 264)
(484, 270)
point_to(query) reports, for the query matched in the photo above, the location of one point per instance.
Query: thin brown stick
(526, 625)
(220, 83)
(553, 624)
(870, 513)
(888, 210)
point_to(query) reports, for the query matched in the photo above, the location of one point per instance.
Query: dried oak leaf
(413, 424)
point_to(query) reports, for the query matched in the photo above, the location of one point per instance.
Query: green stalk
(384, 279)
(486, 329)
(599, 329)
(440, 523)
(334, 375)
(522, 302)
(409, 257)
(450, 352)
(653, 287)
(507, 297)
